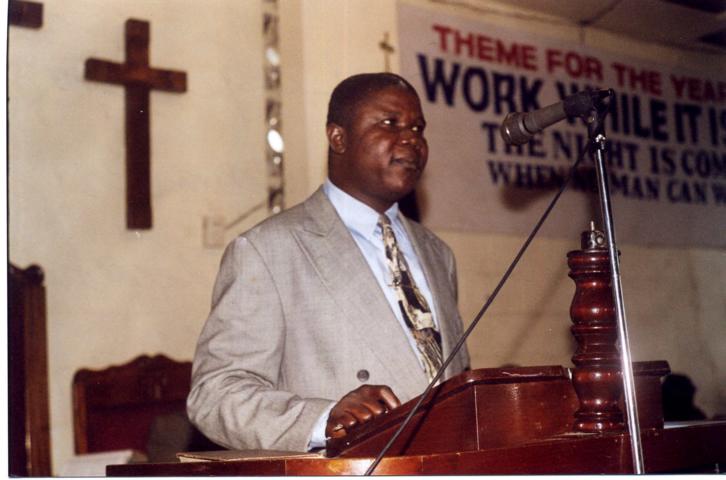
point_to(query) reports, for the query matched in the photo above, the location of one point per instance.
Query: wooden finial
(596, 376)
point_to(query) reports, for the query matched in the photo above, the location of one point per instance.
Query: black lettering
(638, 129)
(529, 93)
(499, 172)
(492, 129)
(503, 93)
(439, 80)
(684, 192)
(713, 127)
(658, 120)
(567, 144)
(669, 161)
(719, 193)
(479, 84)
(623, 155)
(690, 125)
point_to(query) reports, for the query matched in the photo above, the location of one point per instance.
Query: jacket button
(363, 375)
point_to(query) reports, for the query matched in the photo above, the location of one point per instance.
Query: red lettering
(655, 83)
(505, 56)
(485, 49)
(574, 64)
(465, 40)
(649, 81)
(593, 68)
(482, 47)
(554, 59)
(709, 93)
(620, 72)
(529, 58)
(443, 32)
(694, 89)
(698, 89)
(678, 85)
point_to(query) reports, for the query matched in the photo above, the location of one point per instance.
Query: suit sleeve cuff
(317, 436)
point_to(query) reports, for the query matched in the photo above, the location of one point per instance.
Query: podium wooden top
(449, 418)
(492, 408)
(697, 446)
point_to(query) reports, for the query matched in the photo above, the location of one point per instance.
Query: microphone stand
(479, 315)
(596, 133)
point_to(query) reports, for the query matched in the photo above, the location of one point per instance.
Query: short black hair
(352, 90)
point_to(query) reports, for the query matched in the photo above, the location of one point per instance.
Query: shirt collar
(356, 215)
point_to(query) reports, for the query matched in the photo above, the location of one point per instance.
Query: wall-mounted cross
(138, 79)
(25, 14)
(387, 51)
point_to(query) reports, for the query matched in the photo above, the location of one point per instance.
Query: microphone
(519, 127)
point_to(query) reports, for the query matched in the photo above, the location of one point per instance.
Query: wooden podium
(491, 421)
(523, 420)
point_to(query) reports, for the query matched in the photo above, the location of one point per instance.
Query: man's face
(382, 152)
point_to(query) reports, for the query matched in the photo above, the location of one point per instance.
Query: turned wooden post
(596, 376)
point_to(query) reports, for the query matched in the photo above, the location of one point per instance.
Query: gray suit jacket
(296, 315)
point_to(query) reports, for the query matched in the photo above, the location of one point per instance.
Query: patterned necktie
(415, 309)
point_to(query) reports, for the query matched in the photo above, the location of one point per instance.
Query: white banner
(667, 135)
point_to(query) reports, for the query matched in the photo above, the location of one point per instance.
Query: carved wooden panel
(114, 407)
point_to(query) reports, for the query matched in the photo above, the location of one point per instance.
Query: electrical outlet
(213, 229)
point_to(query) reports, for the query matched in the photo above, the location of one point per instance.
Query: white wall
(114, 294)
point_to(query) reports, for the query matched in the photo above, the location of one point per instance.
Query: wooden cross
(25, 14)
(387, 51)
(138, 79)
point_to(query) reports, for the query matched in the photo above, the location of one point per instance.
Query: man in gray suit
(338, 309)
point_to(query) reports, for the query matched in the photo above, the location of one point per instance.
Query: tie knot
(384, 221)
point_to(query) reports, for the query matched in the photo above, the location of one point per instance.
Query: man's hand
(359, 406)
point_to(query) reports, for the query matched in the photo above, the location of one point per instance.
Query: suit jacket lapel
(437, 279)
(335, 255)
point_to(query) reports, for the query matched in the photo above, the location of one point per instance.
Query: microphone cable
(481, 313)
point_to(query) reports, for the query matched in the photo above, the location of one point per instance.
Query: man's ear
(337, 138)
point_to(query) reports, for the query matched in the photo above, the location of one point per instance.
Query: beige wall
(114, 293)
